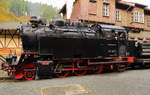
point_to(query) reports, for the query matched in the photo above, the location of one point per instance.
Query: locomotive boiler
(76, 41)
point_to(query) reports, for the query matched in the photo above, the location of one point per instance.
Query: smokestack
(69, 8)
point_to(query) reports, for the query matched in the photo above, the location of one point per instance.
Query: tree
(49, 12)
(18, 8)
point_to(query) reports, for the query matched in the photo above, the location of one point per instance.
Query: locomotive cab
(114, 39)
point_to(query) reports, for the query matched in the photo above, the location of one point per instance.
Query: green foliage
(5, 14)
(23, 8)
(18, 7)
(50, 12)
(4, 4)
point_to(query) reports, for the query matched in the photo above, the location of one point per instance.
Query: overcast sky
(145, 2)
(55, 3)
(60, 3)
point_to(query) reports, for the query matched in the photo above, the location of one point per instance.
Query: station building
(133, 16)
(10, 42)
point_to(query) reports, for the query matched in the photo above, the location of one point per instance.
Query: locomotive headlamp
(33, 25)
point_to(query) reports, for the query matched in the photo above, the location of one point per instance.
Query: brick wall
(93, 11)
(76, 11)
(147, 28)
(85, 10)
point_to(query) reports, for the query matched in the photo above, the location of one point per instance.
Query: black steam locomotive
(60, 49)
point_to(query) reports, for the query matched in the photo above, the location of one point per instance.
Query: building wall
(124, 18)
(65, 16)
(10, 42)
(76, 13)
(144, 35)
(147, 28)
(135, 24)
(93, 12)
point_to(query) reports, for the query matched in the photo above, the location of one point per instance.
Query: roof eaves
(127, 3)
(9, 25)
(63, 8)
(132, 3)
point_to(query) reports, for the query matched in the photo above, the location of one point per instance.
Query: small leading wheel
(98, 69)
(29, 75)
(62, 74)
(121, 67)
(80, 72)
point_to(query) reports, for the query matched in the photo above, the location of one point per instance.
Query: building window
(148, 21)
(118, 15)
(138, 17)
(105, 9)
(93, 1)
(134, 16)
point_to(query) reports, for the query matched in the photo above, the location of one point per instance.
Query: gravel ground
(132, 82)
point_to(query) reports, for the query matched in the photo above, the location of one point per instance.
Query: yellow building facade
(10, 42)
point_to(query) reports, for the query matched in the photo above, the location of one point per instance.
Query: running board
(112, 62)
